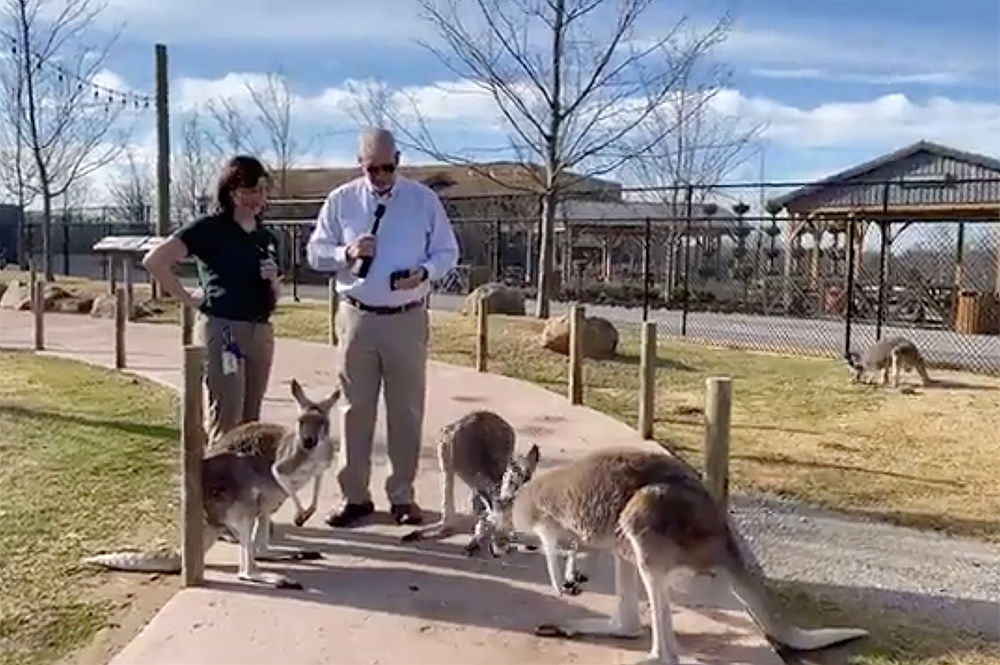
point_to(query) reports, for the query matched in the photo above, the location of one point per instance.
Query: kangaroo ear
(298, 394)
(328, 403)
(532, 457)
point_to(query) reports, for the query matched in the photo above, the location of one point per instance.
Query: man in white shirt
(381, 323)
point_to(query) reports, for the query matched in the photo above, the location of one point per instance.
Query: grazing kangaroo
(246, 476)
(650, 509)
(890, 353)
(479, 449)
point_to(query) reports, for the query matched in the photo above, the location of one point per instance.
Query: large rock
(16, 293)
(56, 299)
(54, 295)
(500, 298)
(600, 337)
(75, 305)
(103, 306)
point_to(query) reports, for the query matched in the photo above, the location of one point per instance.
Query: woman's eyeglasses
(380, 168)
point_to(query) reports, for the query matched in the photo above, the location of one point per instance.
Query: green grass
(87, 462)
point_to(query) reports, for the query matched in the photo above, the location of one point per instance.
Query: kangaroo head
(313, 424)
(518, 473)
(853, 361)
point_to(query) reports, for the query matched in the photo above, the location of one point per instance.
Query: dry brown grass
(87, 463)
(925, 458)
(800, 428)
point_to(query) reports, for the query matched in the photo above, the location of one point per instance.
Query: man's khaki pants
(376, 350)
(236, 397)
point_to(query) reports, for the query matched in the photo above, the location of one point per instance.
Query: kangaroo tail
(152, 562)
(748, 585)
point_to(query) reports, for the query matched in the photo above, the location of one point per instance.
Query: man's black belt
(383, 309)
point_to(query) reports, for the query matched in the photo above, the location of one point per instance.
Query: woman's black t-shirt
(228, 260)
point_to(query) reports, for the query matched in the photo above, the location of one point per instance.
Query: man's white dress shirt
(414, 232)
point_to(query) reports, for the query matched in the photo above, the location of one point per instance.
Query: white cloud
(441, 101)
(817, 74)
(194, 93)
(110, 79)
(458, 110)
(853, 56)
(886, 121)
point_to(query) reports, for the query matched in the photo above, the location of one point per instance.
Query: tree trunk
(552, 165)
(545, 264)
(47, 234)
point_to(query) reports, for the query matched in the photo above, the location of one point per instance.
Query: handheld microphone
(364, 264)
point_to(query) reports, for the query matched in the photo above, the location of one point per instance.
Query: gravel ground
(950, 581)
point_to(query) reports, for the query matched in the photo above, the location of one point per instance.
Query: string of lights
(109, 95)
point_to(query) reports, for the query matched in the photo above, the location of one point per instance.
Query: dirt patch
(135, 598)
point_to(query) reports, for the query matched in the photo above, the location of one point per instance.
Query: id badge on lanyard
(231, 353)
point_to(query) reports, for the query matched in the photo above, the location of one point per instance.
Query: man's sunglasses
(383, 168)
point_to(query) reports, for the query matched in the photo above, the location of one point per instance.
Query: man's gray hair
(372, 138)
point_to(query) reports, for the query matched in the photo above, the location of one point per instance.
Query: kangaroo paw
(288, 555)
(272, 579)
(432, 532)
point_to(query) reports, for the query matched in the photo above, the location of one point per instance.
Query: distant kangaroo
(246, 476)
(653, 512)
(479, 448)
(889, 354)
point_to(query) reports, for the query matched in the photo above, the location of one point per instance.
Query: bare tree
(572, 81)
(275, 104)
(194, 166)
(132, 191)
(16, 164)
(265, 128)
(69, 135)
(371, 102)
(705, 145)
(233, 129)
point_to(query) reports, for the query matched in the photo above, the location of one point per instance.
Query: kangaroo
(246, 477)
(890, 353)
(652, 511)
(479, 448)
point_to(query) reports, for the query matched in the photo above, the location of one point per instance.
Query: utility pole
(162, 149)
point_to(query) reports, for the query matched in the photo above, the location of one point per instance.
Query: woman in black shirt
(238, 273)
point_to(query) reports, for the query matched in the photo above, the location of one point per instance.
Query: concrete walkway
(373, 599)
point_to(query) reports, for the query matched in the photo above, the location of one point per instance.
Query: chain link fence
(819, 273)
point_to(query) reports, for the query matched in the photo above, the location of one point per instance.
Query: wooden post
(187, 324)
(38, 309)
(120, 316)
(718, 408)
(112, 272)
(333, 302)
(577, 321)
(192, 452)
(32, 279)
(129, 293)
(482, 333)
(647, 379)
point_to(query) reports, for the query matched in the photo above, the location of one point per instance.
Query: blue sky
(837, 82)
